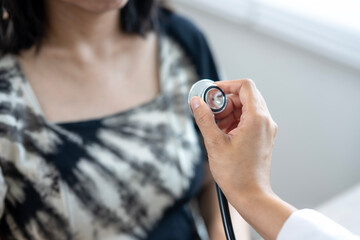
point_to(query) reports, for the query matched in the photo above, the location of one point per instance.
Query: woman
(96, 138)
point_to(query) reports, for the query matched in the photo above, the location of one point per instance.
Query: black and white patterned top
(125, 176)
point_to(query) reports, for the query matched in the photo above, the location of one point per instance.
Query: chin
(98, 6)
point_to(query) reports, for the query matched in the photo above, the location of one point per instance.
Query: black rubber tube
(225, 214)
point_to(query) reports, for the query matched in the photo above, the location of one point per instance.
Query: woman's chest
(84, 84)
(69, 93)
(121, 172)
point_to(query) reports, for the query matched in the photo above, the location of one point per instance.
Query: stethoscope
(216, 99)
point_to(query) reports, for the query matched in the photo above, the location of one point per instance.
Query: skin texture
(84, 52)
(239, 148)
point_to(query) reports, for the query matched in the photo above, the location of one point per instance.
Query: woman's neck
(73, 28)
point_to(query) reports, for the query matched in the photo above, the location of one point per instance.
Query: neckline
(94, 120)
(97, 120)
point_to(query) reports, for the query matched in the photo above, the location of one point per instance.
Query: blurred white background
(304, 57)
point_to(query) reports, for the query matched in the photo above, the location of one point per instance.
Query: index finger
(245, 89)
(233, 105)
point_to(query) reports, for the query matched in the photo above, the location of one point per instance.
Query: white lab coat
(308, 224)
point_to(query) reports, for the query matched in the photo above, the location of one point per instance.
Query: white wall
(316, 103)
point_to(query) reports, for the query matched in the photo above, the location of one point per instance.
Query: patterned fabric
(109, 178)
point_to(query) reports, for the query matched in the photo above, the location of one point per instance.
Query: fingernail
(195, 103)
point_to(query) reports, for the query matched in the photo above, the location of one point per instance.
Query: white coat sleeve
(309, 224)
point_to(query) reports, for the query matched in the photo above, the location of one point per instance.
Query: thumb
(204, 118)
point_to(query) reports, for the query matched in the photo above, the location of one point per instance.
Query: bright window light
(340, 13)
(330, 28)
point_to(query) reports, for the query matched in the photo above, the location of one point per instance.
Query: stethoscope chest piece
(212, 95)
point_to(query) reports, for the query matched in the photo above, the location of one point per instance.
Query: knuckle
(276, 127)
(260, 118)
(263, 120)
(249, 81)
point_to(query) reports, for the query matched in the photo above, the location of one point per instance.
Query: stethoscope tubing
(225, 214)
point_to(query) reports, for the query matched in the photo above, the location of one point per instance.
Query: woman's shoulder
(10, 84)
(7, 63)
(10, 75)
(191, 39)
(8, 71)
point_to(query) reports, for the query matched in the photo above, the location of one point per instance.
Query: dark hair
(23, 23)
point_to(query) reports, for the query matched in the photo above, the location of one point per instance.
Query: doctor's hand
(239, 143)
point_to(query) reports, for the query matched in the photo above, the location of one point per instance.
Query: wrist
(241, 196)
(254, 195)
(264, 211)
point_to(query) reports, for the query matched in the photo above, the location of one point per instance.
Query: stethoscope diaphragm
(212, 95)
